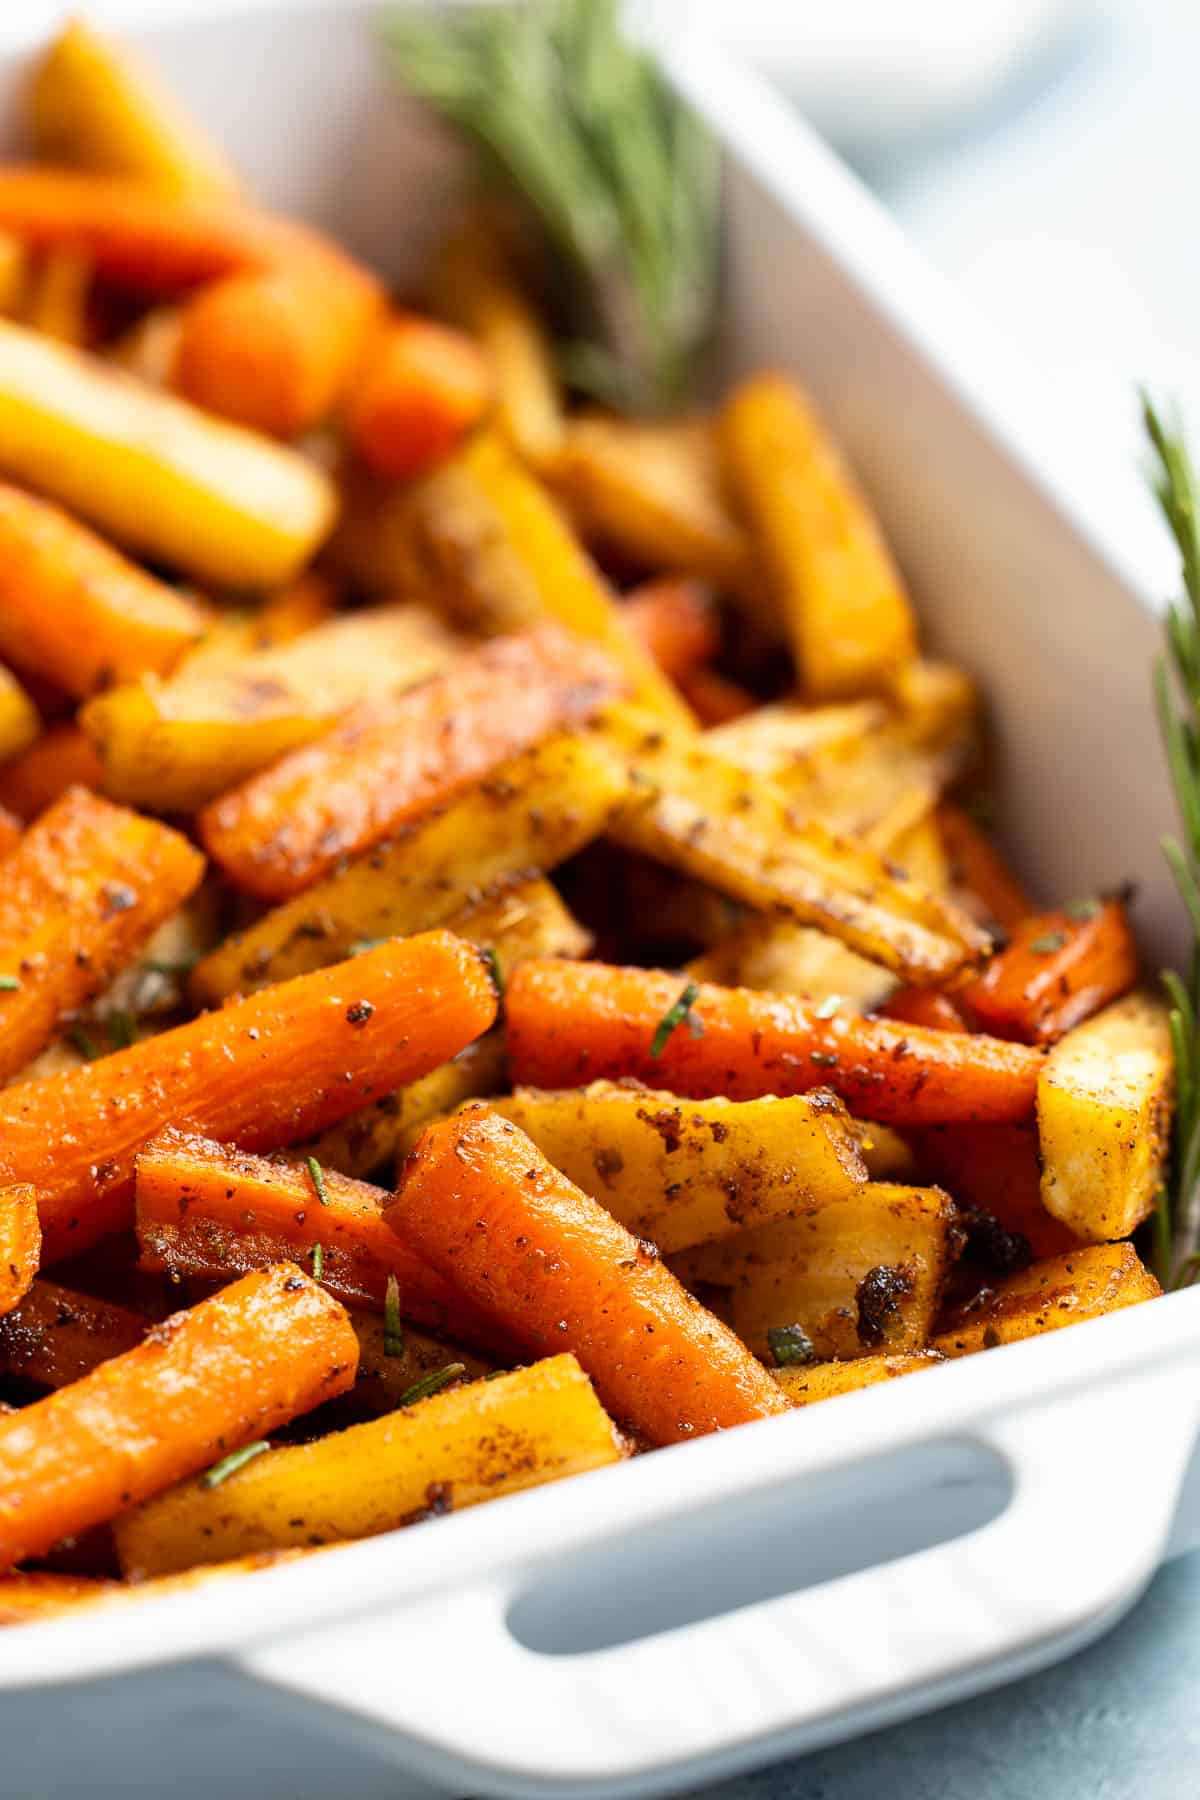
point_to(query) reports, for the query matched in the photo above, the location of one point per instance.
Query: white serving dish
(724, 1602)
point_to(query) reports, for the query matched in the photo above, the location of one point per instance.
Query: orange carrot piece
(483, 1204)
(20, 1244)
(995, 1169)
(82, 892)
(62, 757)
(199, 1385)
(924, 1006)
(570, 1023)
(978, 868)
(270, 1070)
(206, 1209)
(30, 1595)
(673, 619)
(10, 830)
(136, 241)
(423, 387)
(76, 610)
(275, 350)
(394, 760)
(714, 699)
(1059, 968)
(54, 1334)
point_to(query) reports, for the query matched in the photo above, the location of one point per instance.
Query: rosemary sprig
(1177, 694)
(677, 1014)
(618, 175)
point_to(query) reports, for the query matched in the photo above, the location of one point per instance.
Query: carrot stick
(20, 1243)
(137, 241)
(55, 1334)
(994, 1169)
(76, 610)
(977, 867)
(569, 1023)
(274, 350)
(423, 388)
(270, 1070)
(924, 1006)
(205, 1209)
(393, 760)
(201, 1384)
(674, 621)
(62, 757)
(1059, 969)
(86, 887)
(480, 1200)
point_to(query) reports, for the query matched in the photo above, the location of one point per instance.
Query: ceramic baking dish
(724, 1602)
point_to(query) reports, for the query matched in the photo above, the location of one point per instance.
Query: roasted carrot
(137, 242)
(82, 892)
(235, 1367)
(75, 609)
(62, 757)
(924, 1006)
(480, 1200)
(570, 1023)
(274, 350)
(393, 760)
(715, 699)
(675, 621)
(20, 1243)
(980, 872)
(993, 1170)
(56, 1334)
(208, 1210)
(422, 388)
(1059, 968)
(270, 1070)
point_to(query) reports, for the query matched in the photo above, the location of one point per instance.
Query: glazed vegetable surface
(500, 967)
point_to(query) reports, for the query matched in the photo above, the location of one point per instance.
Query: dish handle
(1095, 1479)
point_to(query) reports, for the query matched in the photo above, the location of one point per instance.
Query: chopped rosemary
(618, 176)
(121, 1029)
(790, 1345)
(432, 1383)
(1082, 910)
(674, 1017)
(182, 965)
(360, 946)
(492, 959)
(1048, 943)
(1177, 693)
(318, 1261)
(229, 1465)
(828, 1006)
(393, 1330)
(86, 1046)
(10, 984)
(318, 1179)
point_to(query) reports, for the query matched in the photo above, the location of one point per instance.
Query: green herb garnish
(1083, 910)
(828, 1006)
(86, 1046)
(318, 1261)
(492, 959)
(674, 1017)
(182, 965)
(1048, 943)
(393, 1330)
(790, 1345)
(360, 946)
(10, 984)
(229, 1465)
(618, 176)
(431, 1383)
(318, 1179)
(1177, 692)
(122, 1032)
